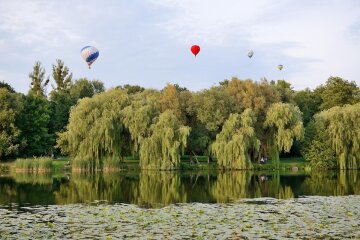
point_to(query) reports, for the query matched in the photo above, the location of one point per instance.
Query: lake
(152, 189)
(181, 205)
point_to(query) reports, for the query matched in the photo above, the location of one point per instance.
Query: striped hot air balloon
(89, 54)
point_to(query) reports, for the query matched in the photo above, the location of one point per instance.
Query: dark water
(157, 189)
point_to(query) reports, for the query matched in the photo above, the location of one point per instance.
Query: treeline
(236, 123)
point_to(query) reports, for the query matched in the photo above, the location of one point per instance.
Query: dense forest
(236, 123)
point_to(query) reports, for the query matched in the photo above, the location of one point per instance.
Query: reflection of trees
(270, 185)
(285, 192)
(91, 187)
(332, 183)
(26, 188)
(158, 188)
(231, 186)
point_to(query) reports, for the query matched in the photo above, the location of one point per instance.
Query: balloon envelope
(195, 49)
(280, 67)
(250, 53)
(89, 54)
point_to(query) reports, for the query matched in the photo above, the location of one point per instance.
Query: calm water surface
(157, 189)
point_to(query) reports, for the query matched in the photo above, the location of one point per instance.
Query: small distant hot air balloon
(280, 67)
(250, 53)
(89, 54)
(195, 49)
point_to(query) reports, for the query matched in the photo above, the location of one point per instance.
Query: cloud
(315, 36)
(37, 21)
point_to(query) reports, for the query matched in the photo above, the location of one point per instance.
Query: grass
(59, 165)
(285, 164)
(42, 164)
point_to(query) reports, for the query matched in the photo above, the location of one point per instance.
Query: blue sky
(147, 42)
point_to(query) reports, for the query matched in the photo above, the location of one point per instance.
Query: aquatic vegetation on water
(310, 217)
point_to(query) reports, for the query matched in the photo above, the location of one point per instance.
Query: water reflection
(156, 189)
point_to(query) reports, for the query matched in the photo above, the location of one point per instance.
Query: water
(153, 189)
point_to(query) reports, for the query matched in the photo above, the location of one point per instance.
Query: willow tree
(139, 116)
(165, 142)
(283, 124)
(342, 125)
(96, 130)
(234, 143)
(258, 96)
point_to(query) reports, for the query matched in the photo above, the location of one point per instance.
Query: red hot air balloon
(195, 49)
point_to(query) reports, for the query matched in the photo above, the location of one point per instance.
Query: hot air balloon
(250, 53)
(89, 54)
(195, 49)
(280, 67)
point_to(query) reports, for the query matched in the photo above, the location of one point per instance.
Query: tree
(342, 126)
(61, 102)
(284, 90)
(96, 130)
(258, 96)
(316, 147)
(169, 100)
(283, 124)
(338, 92)
(166, 139)
(308, 102)
(234, 143)
(139, 116)
(61, 75)
(132, 89)
(33, 123)
(84, 88)
(212, 107)
(60, 97)
(248, 94)
(10, 105)
(38, 85)
(7, 86)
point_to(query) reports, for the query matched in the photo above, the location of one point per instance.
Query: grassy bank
(42, 164)
(36, 165)
(131, 163)
(296, 163)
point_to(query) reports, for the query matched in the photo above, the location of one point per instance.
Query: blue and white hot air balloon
(89, 54)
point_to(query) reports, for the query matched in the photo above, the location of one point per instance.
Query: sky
(147, 42)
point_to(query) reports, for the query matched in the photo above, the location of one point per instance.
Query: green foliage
(96, 130)
(10, 106)
(342, 126)
(139, 116)
(33, 122)
(61, 102)
(284, 124)
(212, 107)
(284, 90)
(7, 86)
(308, 102)
(316, 147)
(249, 94)
(42, 164)
(166, 140)
(38, 84)
(62, 76)
(338, 92)
(84, 88)
(234, 142)
(132, 89)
